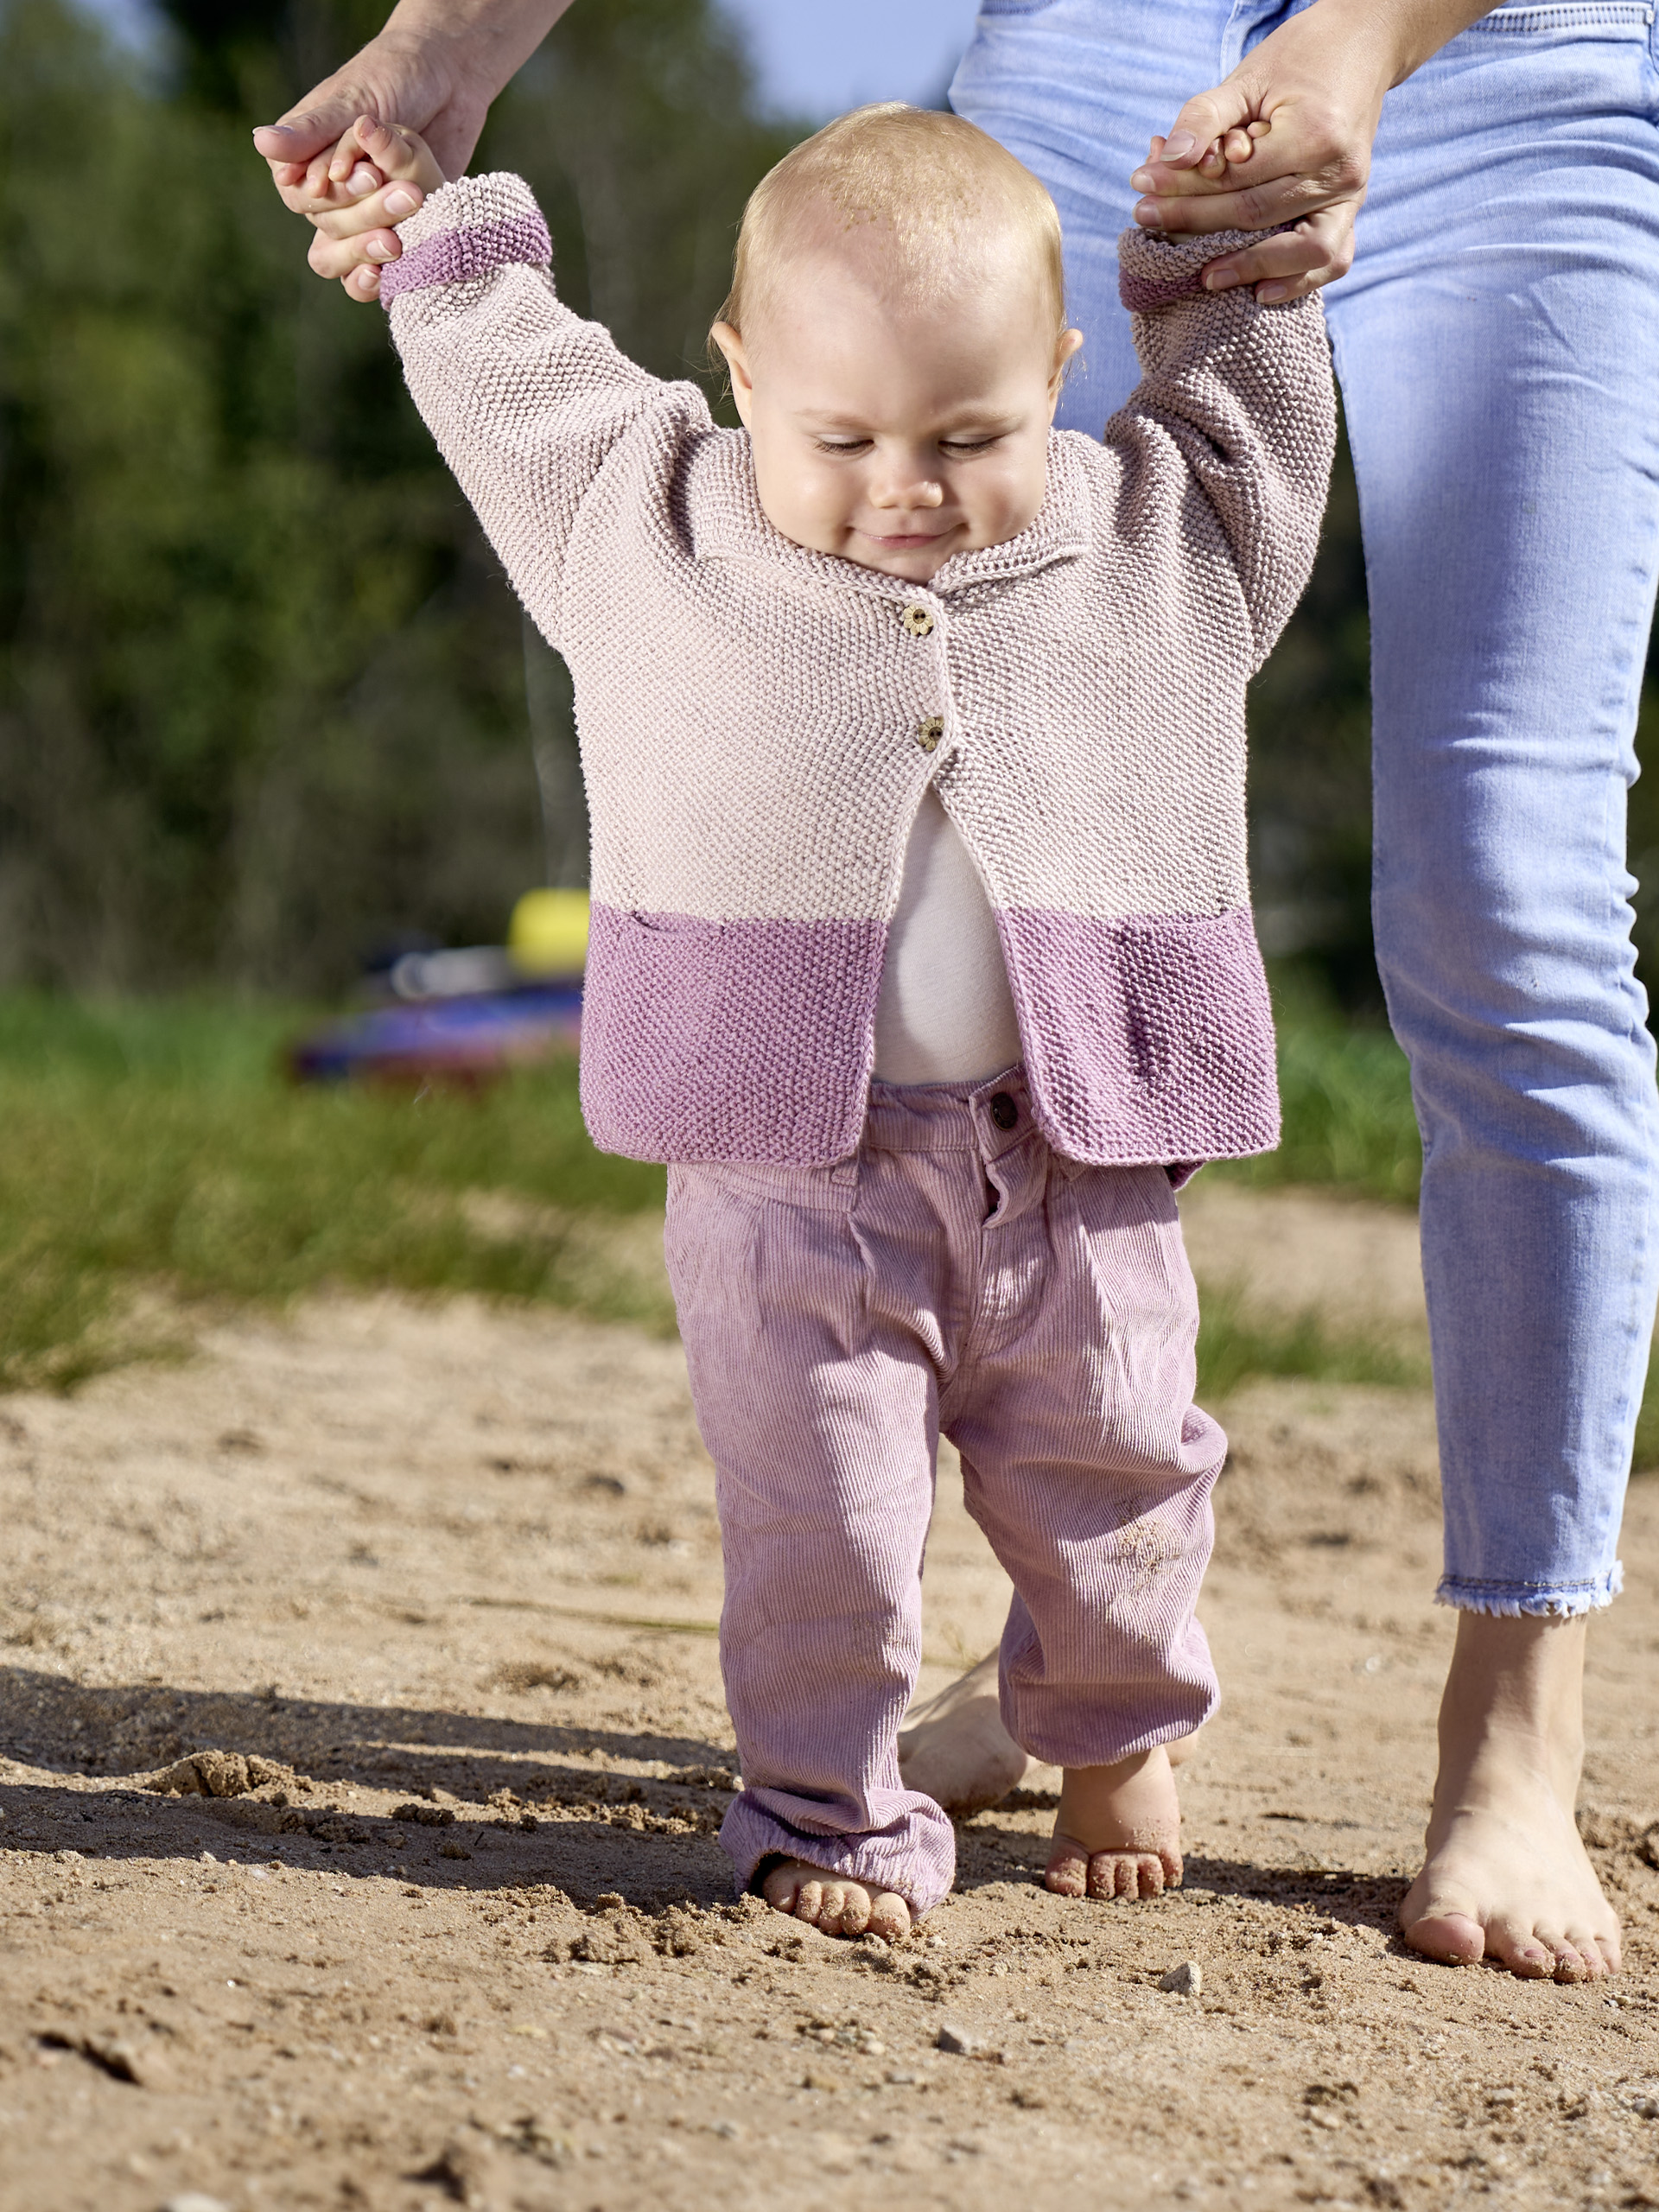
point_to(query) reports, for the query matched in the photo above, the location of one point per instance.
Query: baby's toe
(809, 1902)
(1153, 1877)
(1069, 1872)
(781, 1889)
(889, 1916)
(838, 1909)
(1128, 1876)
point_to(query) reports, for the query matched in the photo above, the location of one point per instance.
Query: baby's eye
(841, 445)
(967, 445)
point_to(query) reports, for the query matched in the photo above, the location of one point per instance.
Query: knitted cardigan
(759, 721)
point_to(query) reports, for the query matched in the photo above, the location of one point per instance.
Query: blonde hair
(936, 183)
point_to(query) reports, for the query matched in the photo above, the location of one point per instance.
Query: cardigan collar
(727, 522)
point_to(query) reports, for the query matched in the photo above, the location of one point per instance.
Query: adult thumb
(308, 131)
(1202, 121)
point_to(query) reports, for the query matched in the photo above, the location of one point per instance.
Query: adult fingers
(1244, 201)
(1290, 263)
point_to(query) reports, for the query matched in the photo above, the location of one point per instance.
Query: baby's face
(895, 435)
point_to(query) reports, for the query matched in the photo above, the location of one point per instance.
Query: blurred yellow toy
(547, 934)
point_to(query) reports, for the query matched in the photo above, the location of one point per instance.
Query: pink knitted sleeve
(525, 400)
(1227, 440)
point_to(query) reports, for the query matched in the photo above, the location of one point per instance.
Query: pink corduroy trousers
(958, 1276)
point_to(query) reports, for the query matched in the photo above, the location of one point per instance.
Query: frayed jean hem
(1517, 1600)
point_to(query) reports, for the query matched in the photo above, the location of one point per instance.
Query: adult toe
(1453, 1937)
(1604, 1945)
(1583, 1941)
(1570, 1963)
(1532, 1952)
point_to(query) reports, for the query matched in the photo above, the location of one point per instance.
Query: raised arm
(1226, 442)
(526, 401)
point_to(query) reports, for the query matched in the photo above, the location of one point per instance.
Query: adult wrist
(1402, 33)
(1375, 36)
(475, 47)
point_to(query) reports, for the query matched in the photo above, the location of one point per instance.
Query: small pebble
(193, 2200)
(1184, 1981)
(957, 2039)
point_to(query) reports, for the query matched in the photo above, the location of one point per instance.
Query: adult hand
(435, 68)
(1317, 84)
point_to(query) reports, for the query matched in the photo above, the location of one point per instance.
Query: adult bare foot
(1505, 1875)
(831, 1903)
(954, 1748)
(1118, 1831)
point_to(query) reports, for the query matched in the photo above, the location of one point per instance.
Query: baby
(913, 733)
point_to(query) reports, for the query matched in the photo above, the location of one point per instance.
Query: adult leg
(1497, 344)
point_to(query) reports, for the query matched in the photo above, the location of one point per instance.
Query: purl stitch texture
(754, 716)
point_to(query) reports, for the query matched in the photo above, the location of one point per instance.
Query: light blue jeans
(1498, 345)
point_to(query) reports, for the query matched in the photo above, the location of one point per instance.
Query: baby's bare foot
(831, 1903)
(1118, 1831)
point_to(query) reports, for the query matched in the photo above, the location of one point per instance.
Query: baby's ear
(1070, 345)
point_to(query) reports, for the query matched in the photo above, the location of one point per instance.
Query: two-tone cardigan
(758, 721)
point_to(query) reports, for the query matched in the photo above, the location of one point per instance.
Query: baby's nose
(917, 492)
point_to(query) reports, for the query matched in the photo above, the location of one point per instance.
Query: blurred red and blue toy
(465, 1015)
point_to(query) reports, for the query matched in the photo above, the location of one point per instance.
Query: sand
(439, 1583)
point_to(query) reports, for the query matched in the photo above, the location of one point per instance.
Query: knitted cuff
(1154, 269)
(467, 229)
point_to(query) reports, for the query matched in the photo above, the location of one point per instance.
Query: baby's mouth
(901, 540)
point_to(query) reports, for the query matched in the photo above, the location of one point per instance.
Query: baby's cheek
(806, 504)
(998, 507)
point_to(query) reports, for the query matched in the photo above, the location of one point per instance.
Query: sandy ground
(442, 1582)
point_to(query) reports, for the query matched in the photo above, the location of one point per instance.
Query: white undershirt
(945, 1013)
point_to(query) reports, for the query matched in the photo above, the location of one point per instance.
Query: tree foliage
(262, 687)
(264, 696)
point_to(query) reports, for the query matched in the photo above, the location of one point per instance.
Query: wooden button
(929, 733)
(919, 620)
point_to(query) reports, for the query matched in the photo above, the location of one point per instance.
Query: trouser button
(1004, 1112)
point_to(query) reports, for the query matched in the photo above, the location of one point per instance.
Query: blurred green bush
(262, 687)
(263, 691)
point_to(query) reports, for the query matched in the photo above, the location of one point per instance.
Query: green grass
(1346, 1093)
(1233, 1348)
(159, 1146)
(156, 1147)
